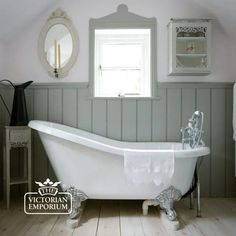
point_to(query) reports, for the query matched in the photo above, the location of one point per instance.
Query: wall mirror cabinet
(189, 47)
(58, 44)
(123, 55)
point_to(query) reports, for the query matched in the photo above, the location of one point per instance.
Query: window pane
(122, 62)
(121, 55)
(113, 83)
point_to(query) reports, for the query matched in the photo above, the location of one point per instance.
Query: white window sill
(125, 98)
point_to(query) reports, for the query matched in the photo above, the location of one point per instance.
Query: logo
(48, 200)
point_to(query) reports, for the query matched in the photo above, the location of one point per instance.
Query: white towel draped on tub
(146, 166)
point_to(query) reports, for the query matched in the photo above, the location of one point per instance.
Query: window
(122, 63)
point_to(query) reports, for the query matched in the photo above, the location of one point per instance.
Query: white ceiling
(17, 14)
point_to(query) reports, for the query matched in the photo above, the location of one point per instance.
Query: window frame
(123, 19)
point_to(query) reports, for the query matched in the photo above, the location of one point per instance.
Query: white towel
(149, 166)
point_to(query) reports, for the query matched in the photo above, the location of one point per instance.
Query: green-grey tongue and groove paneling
(159, 114)
(69, 107)
(230, 146)
(55, 105)
(99, 117)
(188, 104)
(218, 132)
(114, 114)
(130, 119)
(173, 114)
(84, 110)
(144, 118)
(204, 105)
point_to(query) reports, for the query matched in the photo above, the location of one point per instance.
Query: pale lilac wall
(22, 61)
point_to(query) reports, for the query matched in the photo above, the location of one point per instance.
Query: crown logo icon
(47, 187)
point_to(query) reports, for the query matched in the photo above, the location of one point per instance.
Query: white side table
(15, 137)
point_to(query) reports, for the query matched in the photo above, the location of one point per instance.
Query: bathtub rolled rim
(109, 145)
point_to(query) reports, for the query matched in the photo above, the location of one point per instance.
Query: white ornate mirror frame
(56, 18)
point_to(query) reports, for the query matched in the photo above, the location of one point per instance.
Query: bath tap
(186, 135)
(192, 134)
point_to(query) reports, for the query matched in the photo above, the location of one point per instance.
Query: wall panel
(159, 116)
(99, 117)
(69, 107)
(203, 104)
(55, 105)
(188, 102)
(230, 180)
(218, 134)
(84, 110)
(173, 114)
(144, 118)
(129, 120)
(114, 119)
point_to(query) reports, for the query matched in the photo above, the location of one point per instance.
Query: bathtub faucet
(192, 134)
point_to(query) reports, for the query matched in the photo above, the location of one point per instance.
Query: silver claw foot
(77, 198)
(166, 200)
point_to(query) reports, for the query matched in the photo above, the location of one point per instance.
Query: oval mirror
(58, 44)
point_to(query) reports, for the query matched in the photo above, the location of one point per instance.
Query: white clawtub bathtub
(95, 164)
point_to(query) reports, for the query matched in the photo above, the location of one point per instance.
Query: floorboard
(60, 228)
(130, 218)
(88, 224)
(109, 220)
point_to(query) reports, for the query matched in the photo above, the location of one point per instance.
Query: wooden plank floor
(123, 218)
